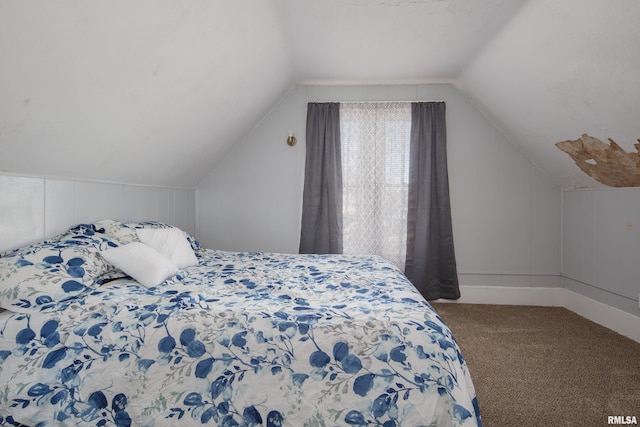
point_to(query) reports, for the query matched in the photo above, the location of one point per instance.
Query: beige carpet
(545, 366)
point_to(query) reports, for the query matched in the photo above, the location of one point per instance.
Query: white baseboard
(610, 317)
(617, 320)
(509, 295)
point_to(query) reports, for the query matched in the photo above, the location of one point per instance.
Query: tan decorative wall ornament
(607, 163)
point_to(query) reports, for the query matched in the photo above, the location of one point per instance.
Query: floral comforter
(241, 339)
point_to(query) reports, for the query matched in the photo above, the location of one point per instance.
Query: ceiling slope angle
(155, 92)
(146, 92)
(388, 41)
(557, 71)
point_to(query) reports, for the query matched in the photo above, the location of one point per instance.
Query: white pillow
(141, 262)
(171, 243)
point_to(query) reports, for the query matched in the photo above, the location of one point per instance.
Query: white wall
(32, 208)
(506, 215)
(601, 245)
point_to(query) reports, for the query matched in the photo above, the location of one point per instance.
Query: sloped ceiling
(560, 69)
(156, 91)
(145, 91)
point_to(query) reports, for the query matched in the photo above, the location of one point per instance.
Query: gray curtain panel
(321, 230)
(430, 263)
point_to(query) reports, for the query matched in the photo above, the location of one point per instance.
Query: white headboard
(32, 209)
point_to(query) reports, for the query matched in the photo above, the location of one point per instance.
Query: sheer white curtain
(375, 172)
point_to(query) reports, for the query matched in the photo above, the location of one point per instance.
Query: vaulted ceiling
(156, 91)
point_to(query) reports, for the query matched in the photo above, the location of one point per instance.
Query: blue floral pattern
(242, 339)
(40, 276)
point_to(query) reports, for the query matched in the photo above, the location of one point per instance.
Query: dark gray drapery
(321, 230)
(430, 263)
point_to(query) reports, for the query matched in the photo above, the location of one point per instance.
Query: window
(375, 178)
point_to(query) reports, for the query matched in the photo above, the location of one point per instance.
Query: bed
(234, 339)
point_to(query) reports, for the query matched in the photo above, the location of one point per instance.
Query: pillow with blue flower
(41, 276)
(126, 232)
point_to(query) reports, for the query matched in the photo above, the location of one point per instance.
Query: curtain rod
(379, 102)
